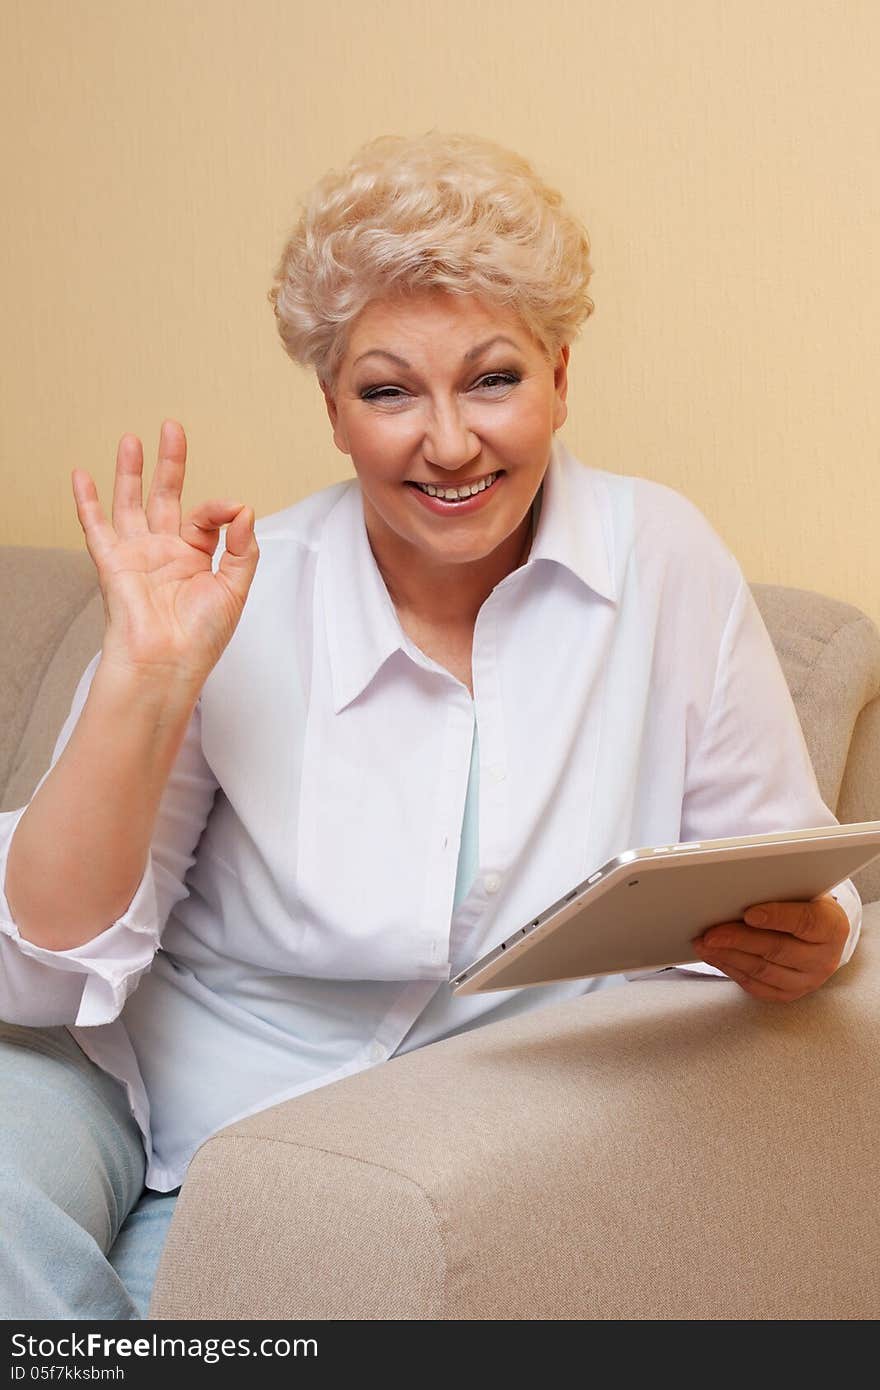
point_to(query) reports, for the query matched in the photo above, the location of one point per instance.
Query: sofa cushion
(860, 793)
(80, 643)
(830, 654)
(45, 590)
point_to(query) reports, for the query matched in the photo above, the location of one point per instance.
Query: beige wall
(724, 157)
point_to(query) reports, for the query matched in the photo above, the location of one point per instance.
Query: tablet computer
(643, 908)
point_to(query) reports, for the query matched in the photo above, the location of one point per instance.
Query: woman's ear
(330, 401)
(560, 385)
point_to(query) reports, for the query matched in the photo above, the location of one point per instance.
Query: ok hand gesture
(168, 615)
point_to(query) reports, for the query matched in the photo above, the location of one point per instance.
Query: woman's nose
(449, 440)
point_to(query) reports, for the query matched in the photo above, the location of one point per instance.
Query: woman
(329, 769)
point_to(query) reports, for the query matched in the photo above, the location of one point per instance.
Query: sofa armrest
(667, 1149)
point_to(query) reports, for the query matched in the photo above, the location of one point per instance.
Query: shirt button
(492, 882)
(377, 1052)
(497, 773)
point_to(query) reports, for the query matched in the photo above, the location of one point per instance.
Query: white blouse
(298, 918)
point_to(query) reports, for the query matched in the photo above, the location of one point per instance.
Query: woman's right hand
(168, 615)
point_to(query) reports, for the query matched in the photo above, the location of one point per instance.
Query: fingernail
(756, 917)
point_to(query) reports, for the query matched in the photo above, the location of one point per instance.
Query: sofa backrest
(51, 625)
(52, 622)
(830, 653)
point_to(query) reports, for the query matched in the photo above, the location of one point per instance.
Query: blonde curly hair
(447, 211)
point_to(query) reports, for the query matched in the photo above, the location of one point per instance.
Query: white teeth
(454, 494)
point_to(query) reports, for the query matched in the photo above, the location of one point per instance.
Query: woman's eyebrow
(468, 357)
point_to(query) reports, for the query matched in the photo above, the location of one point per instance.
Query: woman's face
(445, 390)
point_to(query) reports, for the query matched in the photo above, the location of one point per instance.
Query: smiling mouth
(462, 491)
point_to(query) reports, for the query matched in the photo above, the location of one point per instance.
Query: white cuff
(847, 895)
(112, 962)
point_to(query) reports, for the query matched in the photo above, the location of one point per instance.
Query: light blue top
(469, 853)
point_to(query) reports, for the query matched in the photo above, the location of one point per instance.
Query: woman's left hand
(793, 951)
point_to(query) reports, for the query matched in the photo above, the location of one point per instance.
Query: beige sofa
(670, 1149)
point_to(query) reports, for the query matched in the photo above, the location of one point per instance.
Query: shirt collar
(575, 524)
(362, 627)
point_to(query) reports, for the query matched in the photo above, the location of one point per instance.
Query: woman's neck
(450, 596)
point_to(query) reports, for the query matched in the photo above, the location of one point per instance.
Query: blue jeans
(80, 1236)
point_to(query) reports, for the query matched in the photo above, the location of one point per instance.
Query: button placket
(441, 876)
(494, 806)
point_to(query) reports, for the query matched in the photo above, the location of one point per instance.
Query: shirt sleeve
(751, 772)
(88, 985)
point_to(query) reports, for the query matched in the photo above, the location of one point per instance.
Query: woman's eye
(379, 394)
(491, 381)
(499, 379)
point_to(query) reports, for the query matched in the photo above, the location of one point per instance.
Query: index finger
(818, 921)
(99, 534)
